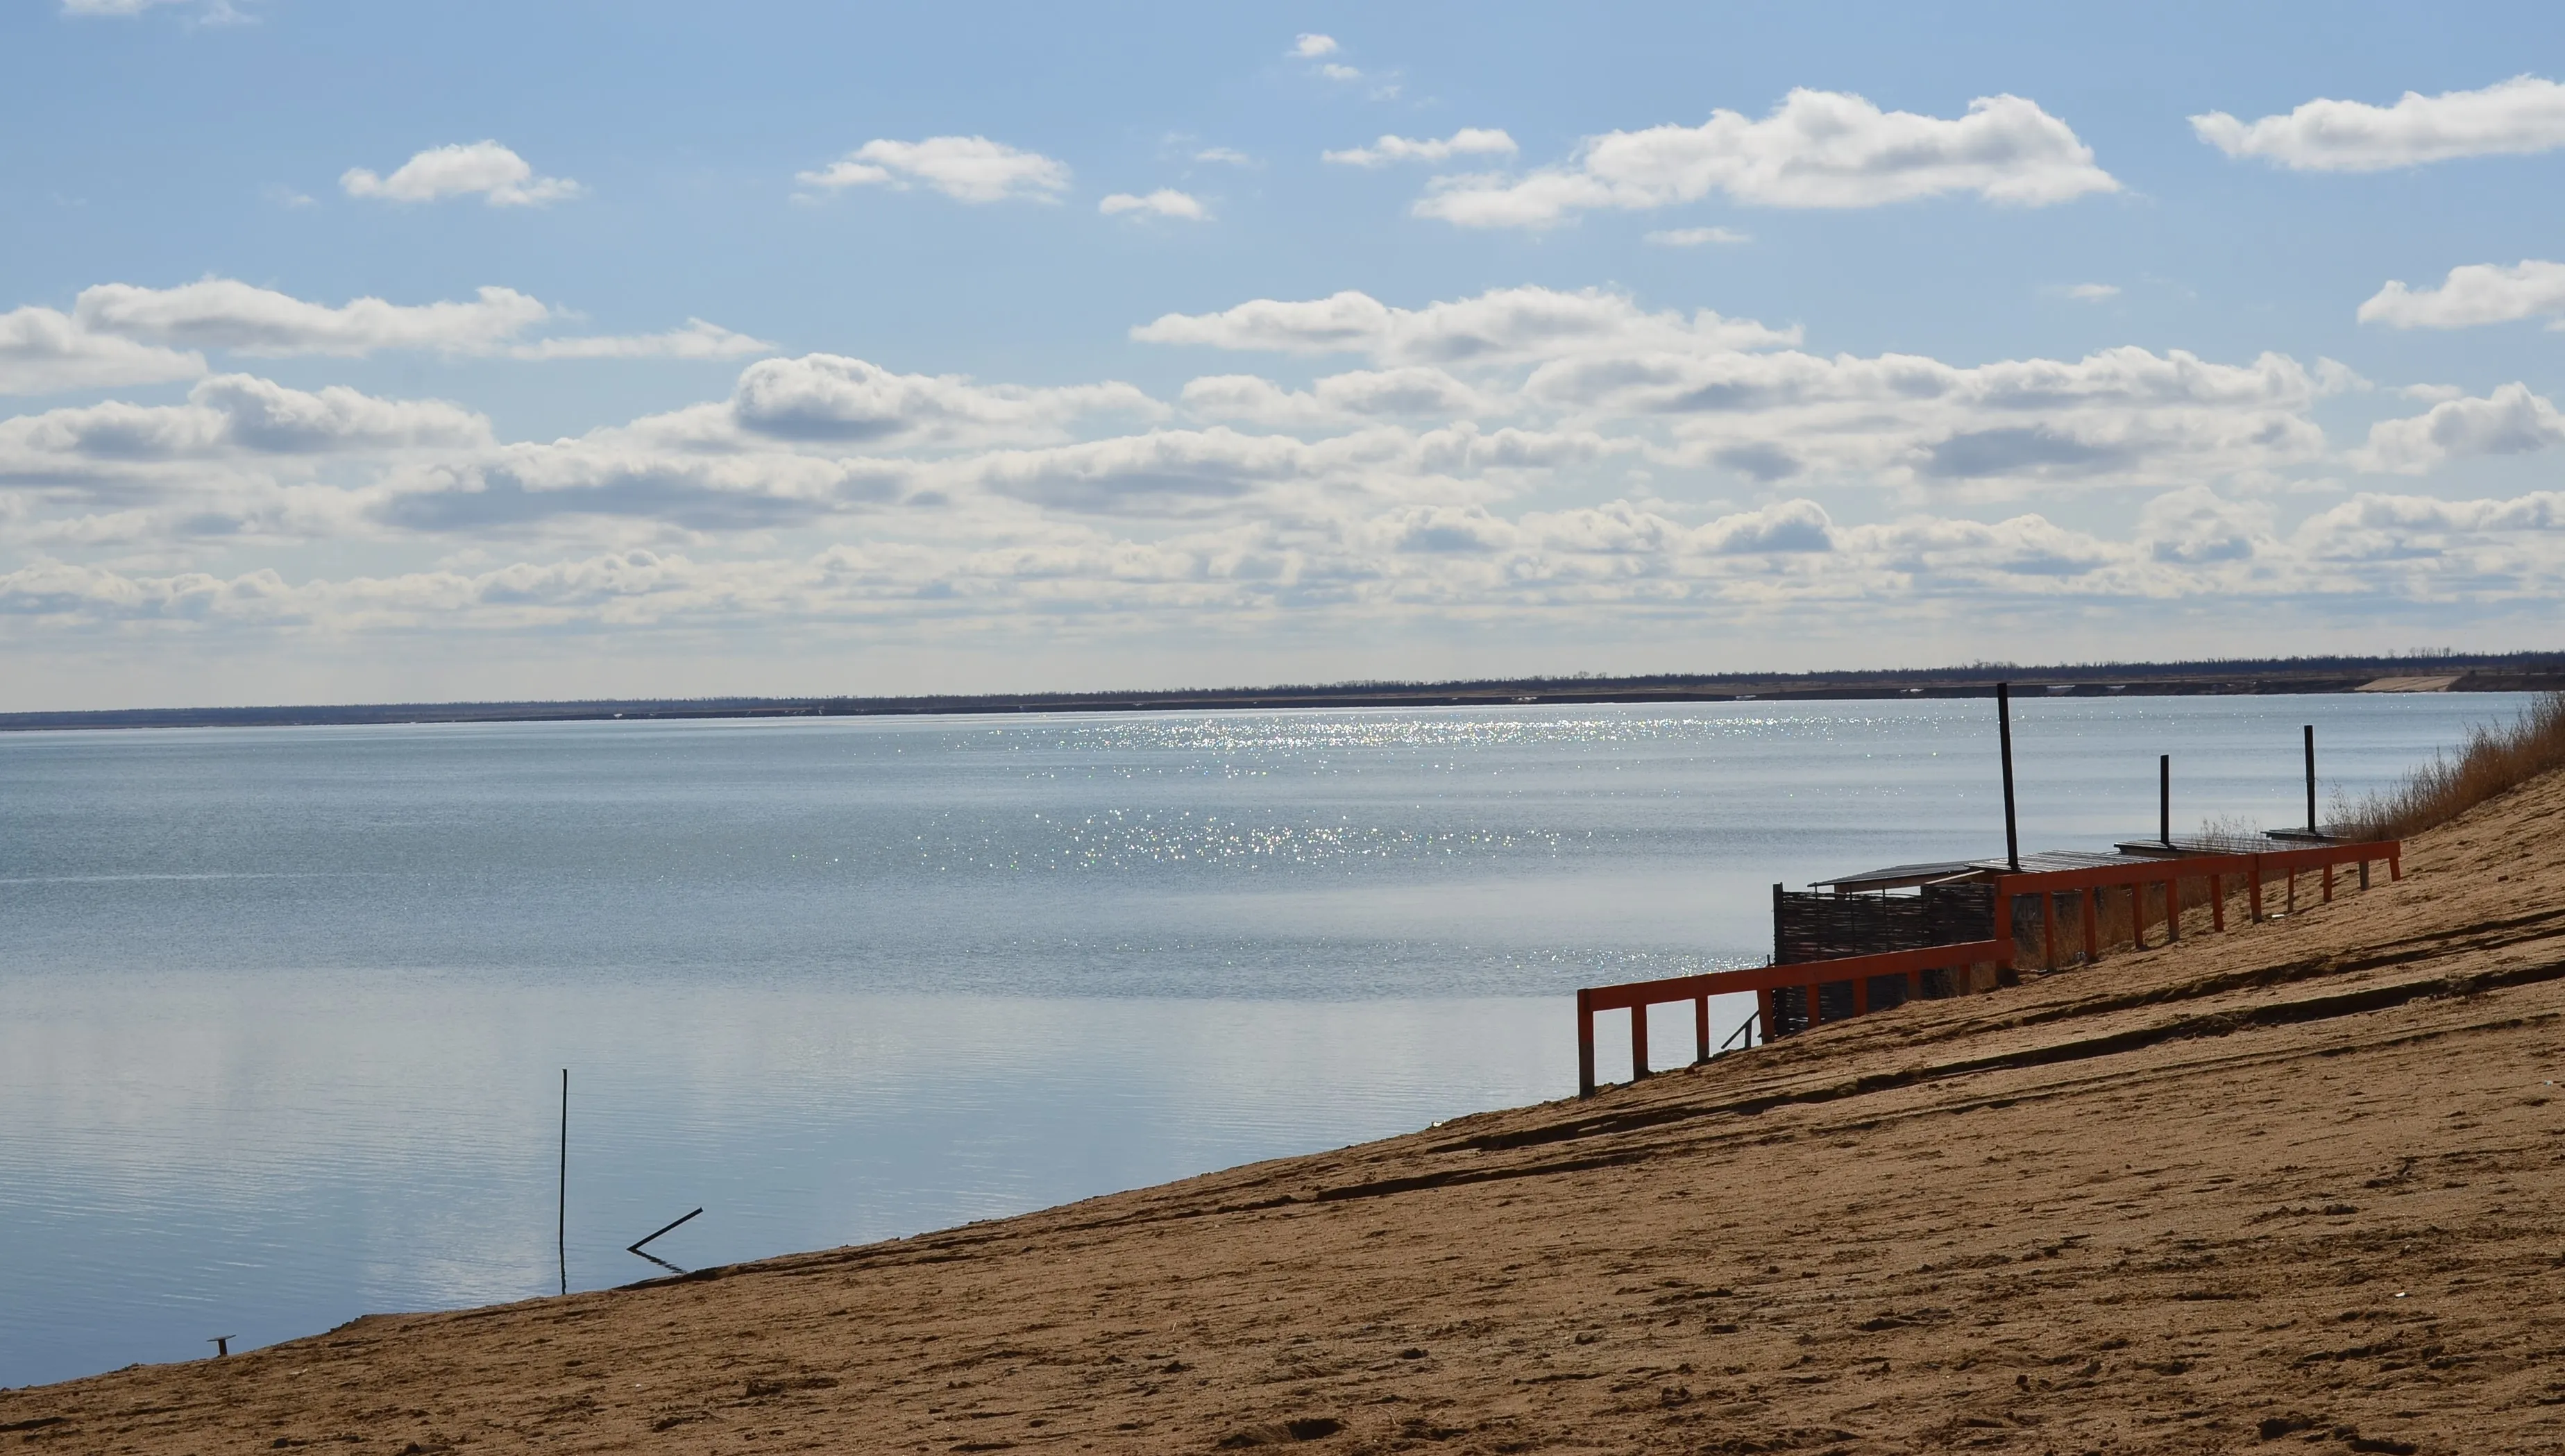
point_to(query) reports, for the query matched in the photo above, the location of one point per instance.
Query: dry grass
(2495, 757)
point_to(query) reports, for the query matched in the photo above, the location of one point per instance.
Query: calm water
(283, 1011)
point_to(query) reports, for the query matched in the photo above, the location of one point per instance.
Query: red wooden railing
(1638, 996)
(2254, 870)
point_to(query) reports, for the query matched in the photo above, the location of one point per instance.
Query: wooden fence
(1637, 996)
(2254, 872)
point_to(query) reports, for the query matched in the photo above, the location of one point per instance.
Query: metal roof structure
(1931, 872)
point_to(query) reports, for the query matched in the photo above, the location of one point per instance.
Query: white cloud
(1815, 149)
(1227, 155)
(47, 352)
(232, 415)
(500, 177)
(966, 169)
(1696, 237)
(2510, 422)
(1476, 463)
(1164, 203)
(1310, 46)
(1335, 71)
(2477, 293)
(698, 340)
(1412, 391)
(221, 313)
(1467, 141)
(1502, 325)
(2524, 115)
(830, 398)
(2093, 292)
(113, 7)
(2411, 527)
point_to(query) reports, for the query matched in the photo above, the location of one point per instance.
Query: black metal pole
(560, 1226)
(2311, 778)
(2164, 798)
(2003, 736)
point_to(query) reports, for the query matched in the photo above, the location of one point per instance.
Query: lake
(284, 1012)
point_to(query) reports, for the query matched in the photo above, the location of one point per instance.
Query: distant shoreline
(2504, 672)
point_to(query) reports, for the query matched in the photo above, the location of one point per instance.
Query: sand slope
(2301, 1184)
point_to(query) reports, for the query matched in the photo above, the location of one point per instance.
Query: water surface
(283, 1012)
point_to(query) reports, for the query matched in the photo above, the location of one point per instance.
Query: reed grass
(2495, 756)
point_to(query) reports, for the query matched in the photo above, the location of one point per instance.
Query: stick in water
(635, 1246)
(560, 1226)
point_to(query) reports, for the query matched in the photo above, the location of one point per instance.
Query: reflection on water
(283, 1010)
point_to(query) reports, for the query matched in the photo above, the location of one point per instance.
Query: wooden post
(2092, 911)
(1815, 1014)
(2396, 863)
(1701, 1026)
(561, 1209)
(2328, 885)
(2172, 908)
(1764, 1014)
(2003, 735)
(2218, 903)
(2293, 893)
(2364, 871)
(2137, 916)
(1584, 1045)
(2311, 779)
(1638, 1042)
(2254, 889)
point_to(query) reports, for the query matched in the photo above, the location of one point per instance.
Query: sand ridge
(2293, 1187)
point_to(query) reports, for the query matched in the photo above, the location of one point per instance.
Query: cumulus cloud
(1310, 46)
(1815, 149)
(1695, 237)
(1164, 203)
(2477, 293)
(1467, 141)
(2524, 115)
(1363, 394)
(830, 398)
(2093, 292)
(698, 340)
(1476, 458)
(2381, 528)
(1502, 325)
(964, 168)
(220, 313)
(2510, 422)
(485, 168)
(47, 352)
(237, 413)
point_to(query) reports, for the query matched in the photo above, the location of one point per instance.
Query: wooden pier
(2155, 887)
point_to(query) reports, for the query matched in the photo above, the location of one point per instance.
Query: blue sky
(365, 351)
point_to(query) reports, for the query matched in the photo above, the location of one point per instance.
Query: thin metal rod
(560, 1227)
(2311, 778)
(635, 1246)
(2164, 798)
(2003, 735)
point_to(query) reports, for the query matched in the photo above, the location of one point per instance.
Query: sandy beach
(2298, 1184)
